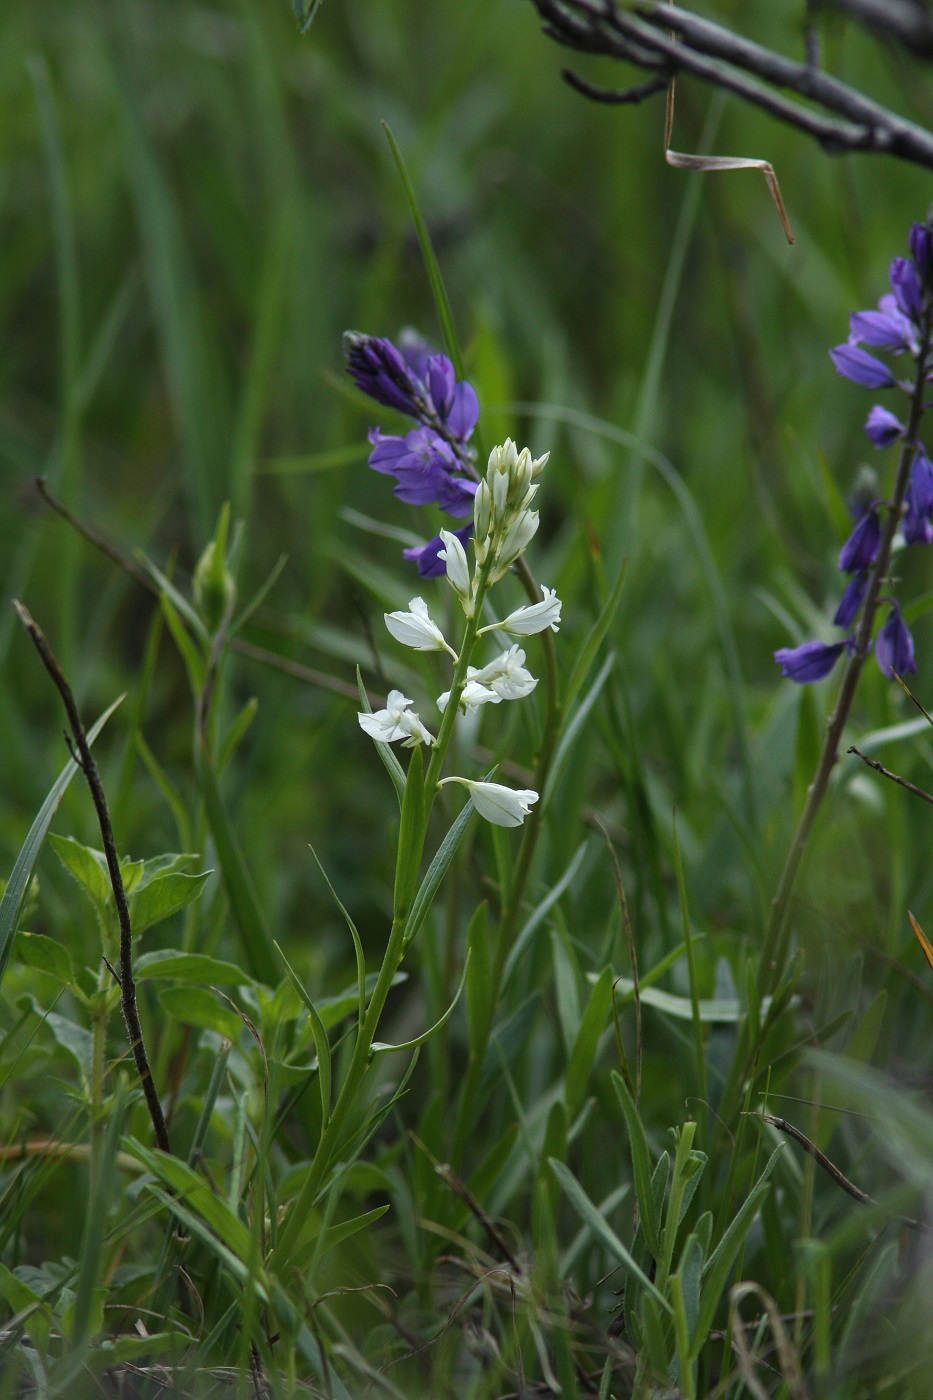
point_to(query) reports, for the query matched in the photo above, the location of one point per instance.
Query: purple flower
(894, 646)
(878, 329)
(921, 481)
(862, 368)
(809, 662)
(851, 600)
(861, 548)
(921, 249)
(424, 466)
(426, 555)
(882, 428)
(376, 367)
(905, 286)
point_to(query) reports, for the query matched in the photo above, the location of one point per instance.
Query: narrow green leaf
(594, 640)
(641, 1165)
(321, 1043)
(354, 934)
(379, 1048)
(257, 942)
(438, 290)
(14, 894)
(584, 1050)
(410, 835)
(182, 1180)
(601, 1229)
(195, 664)
(716, 1270)
(572, 730)
(436, 872)
(478, 989)
(538, 914)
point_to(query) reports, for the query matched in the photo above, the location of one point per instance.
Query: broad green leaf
(45, 955)
(34, 1315)
(163, 897)
(87, 866)
(167, 963)
(641, 1166)
(601, 1229)
(689, 1271)
(14, 894)
(196, 1006)
(584, 1051)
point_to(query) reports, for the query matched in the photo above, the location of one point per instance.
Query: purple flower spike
(894, 646)
(464, 412)
(426, 555)
(921, 482)
(882, 428)
(906, 288)
(921, 249)
(380, 371)
(861, 548)
(878, 329)
(862, 368)
(851, 600)
(809, 662)
(441, 380)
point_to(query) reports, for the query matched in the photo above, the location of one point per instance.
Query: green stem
(774, 949)
(395, 951)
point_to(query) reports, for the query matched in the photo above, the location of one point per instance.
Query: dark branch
(81, 752)
(614, 96)
(642, 36)
(904, 20)
(886, 773)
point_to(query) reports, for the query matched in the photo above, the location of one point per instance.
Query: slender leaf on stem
(601, 1229)
(14, 895)
(594, 640)
(641, 1166)
(354, 934)
(321, 1043)
(378, 1047)
(436, 872)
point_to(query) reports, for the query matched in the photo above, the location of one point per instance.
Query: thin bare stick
(85, 761)
(886, 773)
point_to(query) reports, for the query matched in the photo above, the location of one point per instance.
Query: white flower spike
(501, 806)
(506, 676)
(396, 722)
(417, 629)
(525, 622)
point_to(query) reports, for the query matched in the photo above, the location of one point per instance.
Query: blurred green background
(196, 201)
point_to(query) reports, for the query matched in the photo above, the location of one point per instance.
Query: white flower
(417, 629)
(396, 721)
(524, 622)
(503, 679)
(458, 570)
(471, 697)
(500, 805)
(506, 676)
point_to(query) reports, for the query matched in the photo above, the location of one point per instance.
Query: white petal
(525, 622)
(396, 722)
(500, 805)
(416, 628)
(458, 570)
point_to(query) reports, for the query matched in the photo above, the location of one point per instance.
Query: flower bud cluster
(503, 522)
